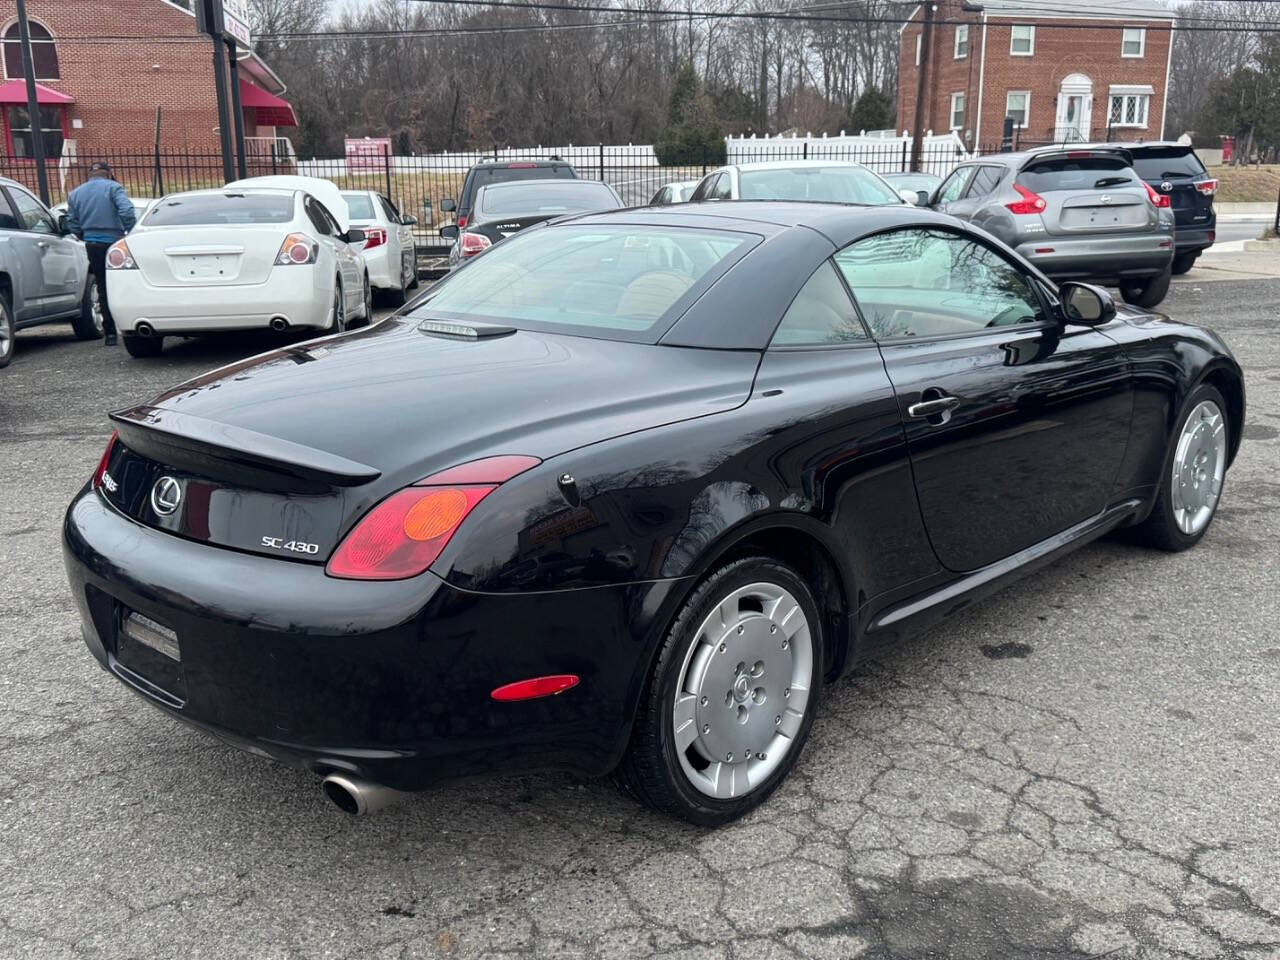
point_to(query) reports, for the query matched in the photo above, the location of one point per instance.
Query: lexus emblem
(1166, 187)
(166, 496)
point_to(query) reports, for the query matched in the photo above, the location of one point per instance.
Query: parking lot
(1086, 765)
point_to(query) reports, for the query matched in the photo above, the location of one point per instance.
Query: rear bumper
(388, 681)
(1099, 260)
(384, 272)
(1191, 238)
(204, 309)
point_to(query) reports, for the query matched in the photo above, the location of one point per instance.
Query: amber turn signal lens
(435, 514)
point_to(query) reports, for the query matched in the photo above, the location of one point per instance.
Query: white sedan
(236, 258)
(389, 250)
(815, 181)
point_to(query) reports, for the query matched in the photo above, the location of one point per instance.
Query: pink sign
(367, 153)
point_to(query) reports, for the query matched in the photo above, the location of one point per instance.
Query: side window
(323, 219)
(389, 208)
(984, 181)
(663, 197)
(7, 220)
(31, 213)
(821, 314)
(953, 186)
(721, 189)
(314, 214)
(922, 282)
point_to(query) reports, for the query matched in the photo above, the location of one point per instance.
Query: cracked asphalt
(1086, 765)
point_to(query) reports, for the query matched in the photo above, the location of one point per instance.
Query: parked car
(502, 171)
(820, 181)
(919, 186)
(503, 209)
(1077, 213)
(43, 271)
(677, 191)
(1181, 182)
(237, 258)
(626, 491)
(390, 254)
(140, 206)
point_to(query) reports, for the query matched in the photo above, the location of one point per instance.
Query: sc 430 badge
(292, 546)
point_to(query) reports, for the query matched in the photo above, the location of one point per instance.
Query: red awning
(270, 109)
(15, 91)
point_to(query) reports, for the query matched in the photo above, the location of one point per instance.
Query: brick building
(1063, 70)
(105, 66)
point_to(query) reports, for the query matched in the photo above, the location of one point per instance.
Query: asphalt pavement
(1086, 765)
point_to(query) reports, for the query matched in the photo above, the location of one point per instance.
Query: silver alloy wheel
(95, 307)
(6, 334)
(1199, 462)
(338, 323)
(744, 685)
(368, 301)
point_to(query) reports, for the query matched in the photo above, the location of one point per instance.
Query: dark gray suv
(1076, 213)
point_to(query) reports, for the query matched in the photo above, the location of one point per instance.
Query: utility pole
(237, 109)
(33, 105)
(926, 41)
(224, 112)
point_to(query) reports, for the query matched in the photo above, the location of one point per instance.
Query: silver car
(43, 271)
(1077, 214)
(816, 181)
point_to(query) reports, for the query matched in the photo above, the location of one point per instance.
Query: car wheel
(1194, 468)
(338, 312)
(7, 340)
(143, 346)
(1184, 262)
(1149, 293)
(732, 695)
(368, 301)
(89, 325)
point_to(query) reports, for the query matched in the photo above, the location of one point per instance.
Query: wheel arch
(1228, 381)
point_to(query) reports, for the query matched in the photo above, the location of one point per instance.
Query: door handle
(932, 408)
(42, 244)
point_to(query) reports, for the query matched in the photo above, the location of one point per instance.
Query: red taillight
(1030, 202)
(106, 457)
(297, 249)
(462, 220)
(1207, 187)
(473, 243)
(404, 534)
(521, 166)
(1078, 154)
(119, 257)
(374, 237)
(536, 687)
(1157, 199)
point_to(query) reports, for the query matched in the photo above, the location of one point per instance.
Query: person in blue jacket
(99, 213)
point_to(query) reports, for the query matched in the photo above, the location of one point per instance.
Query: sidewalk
(1233, 265)
(1244, 212)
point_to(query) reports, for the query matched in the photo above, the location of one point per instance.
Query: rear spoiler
(1077, 152)
(144, 425)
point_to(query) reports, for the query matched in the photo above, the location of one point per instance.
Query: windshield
(820, 184)
(570, 196)
(1156, 164)
(1083, 173)
(360, 205)
(614, 281)
(221, 208)
(913, 181)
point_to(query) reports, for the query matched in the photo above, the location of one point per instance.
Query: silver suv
(43, 272)
(1076, 213)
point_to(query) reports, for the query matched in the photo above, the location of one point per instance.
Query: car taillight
(119, 257)
(473, 243)
(374, 237)
(1157, 199)
(1030, 202)
(1207, 187)
(462, 220)
(106, 457)
(297, 249)
(404, 534)
(521, 166)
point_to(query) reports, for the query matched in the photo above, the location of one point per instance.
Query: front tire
(1150, 292)
(7, 340)
(727, 709)
(1194, 469)
(143, 346)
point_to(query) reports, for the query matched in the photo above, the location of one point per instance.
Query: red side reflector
(102, 464)
(1213, 235)
(535, 687)
(1044, 249)
(1166, 244)
(521, 166)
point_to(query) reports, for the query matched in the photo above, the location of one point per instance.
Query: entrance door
(1075, 109)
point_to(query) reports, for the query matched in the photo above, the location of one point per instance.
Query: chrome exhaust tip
(144, 329)
(279, 324)
(358, 797)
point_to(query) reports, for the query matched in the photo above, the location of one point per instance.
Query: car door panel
(52, 268)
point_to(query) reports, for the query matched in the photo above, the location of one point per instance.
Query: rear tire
(8, 343)
(143, 346)
(1184, 262)
(1186, 483)
(700, 715)
(1148, 293)
(338, 313)
(89, 325)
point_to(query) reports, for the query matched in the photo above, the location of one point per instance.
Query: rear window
(1082, 173)
(221, 208)
(1162, 164)
(574, 197)
(613, 281)
(360, 205)
(819, 184)
(481, 176)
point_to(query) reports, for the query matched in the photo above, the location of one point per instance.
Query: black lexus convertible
(622, 493)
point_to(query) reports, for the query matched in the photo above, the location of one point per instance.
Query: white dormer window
(1022, 40)
(962, 41)
(1133, 42)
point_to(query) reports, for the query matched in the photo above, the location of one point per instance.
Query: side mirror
(1085, 304)
(63, 229)
(355, 235)
(909, 196)
(449, 231)
(923, 198)
(447, 205)
(409, 220)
